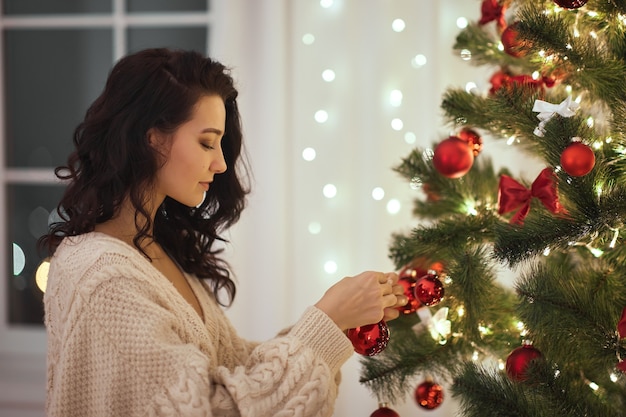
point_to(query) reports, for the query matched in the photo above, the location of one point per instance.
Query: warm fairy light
(469, 207)
(542, 53)
(593, 34)
(378, 193)
(419, 61)
(536, 75)
(41, 276)
(594, 386)
(315, 228)
(328, 75)
(308, 39)
(614, 378)
(546, 252)
(462, 22)
(475, 356)
(597, 144)
(500, 46)
(397, 124)
(595, 251)
(501, 364)
(321, 116)
(309, 154)
(568, 89)
(608, 140)
(330, 267)
(393, 206)
(615, 236)
(410, 138)
(470, 87)
(329, 191)
(592, 13)
(510, 140)
(398, 25)
(590, 121)
(466, 54)
(460, 311)
(395, 98)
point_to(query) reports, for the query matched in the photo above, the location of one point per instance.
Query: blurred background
(333, 93)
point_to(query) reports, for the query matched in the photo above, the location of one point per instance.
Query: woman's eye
(207, 146)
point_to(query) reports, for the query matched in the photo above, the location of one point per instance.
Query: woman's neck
(124, 226)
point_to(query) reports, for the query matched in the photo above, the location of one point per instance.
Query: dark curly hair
(113, 160)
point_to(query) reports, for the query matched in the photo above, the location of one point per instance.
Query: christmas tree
(555, 343)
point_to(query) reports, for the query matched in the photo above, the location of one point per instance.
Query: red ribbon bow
(491, 10)
(512, 195)
(621, 330)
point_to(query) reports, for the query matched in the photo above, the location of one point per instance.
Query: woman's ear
(158, 141)
(153, 137)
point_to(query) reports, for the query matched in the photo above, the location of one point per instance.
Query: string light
(395, 98)
(315, 228)
(330, 267)
(398, 25)
(41, 275)
(308, 154)
(378, 193)
(328, 75)
(397, 124)
(419, 61)
(321, 116)
(393, 206)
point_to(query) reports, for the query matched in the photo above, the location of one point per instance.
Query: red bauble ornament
(429, 395)
(371, 339)
(512, 43)
(408, 283)
(578, 159)
(384, 411)
(429, 290)
(571, 4)
(473, 139)
(453, 157)
(518, 360)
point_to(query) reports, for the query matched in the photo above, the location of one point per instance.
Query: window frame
(28, 339)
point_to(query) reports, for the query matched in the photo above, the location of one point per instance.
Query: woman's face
(195, 153)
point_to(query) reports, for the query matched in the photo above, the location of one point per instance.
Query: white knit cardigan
(123, 342)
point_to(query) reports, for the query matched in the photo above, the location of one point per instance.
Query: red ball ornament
(371, 339)
(429, 395)
(384, 411)
(429, 290)
(578, 159)
(512, 43)
(518, 361)
(453, 157)
(571, 4)
(473, 139)
(408, 283)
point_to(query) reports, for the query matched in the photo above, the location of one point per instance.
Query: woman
(136, 286)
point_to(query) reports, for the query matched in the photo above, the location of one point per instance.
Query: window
(56, 56)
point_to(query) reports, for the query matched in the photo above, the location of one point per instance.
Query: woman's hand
(363, 299)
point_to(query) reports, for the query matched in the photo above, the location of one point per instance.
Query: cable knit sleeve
(292, 375)
(127, 348)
